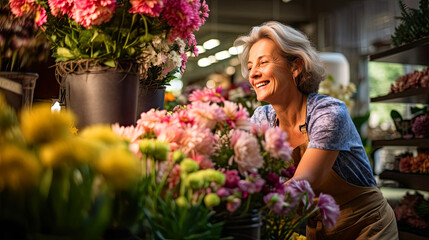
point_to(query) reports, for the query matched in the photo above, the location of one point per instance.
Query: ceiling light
(204, 62)
(212, 43)
(212, 59)
(211, 83)
(222, 55)
(235, 50)
(230, 70)
(201, 49)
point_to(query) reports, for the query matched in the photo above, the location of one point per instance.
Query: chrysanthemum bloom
(40, 124)
(276, 144)
(151, 118)
(70, 152)
(41, 17)
(237, 116)
(93, 12)
(169, 133)
(150, 8)
(61, 7)
(206, 114)
(197, 140)
(102, 134)
(329, 209)
(119, 167)
(131, 133)
(207, 95)
(246, 151)
(181, 117)
(19, 169)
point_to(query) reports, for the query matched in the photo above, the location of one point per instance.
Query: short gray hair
(291, 43)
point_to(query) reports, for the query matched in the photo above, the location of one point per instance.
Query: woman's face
(269, 72)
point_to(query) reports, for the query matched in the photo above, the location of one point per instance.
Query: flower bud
(161, 150)
(188, 165)
(195, 180)
(214, 176)
(211, 200)
(147, 146)
(178, 156)
(181, 202)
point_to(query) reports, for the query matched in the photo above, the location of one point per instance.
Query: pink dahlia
(236, 116)
(246, 151)
(276, 144)
(41, 17)
(61, 7)
(93, 12)
(203, 162)
(206, 114)
(131, 133)
(20, 7)
(329, 209)
(150, 8)
(260, 129)
(207, 95)
(197, 140)
(151, 118)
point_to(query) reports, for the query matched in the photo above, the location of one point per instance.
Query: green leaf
(69, 42)
(110, 63)
(64, 52)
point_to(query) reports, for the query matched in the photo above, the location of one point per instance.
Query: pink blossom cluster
(421, 126)
(406, 213)
(416, 79)
(21, 7)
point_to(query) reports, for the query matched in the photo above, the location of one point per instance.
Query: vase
(149, 98)
(243, 226)
(102, 95)
(18, 88)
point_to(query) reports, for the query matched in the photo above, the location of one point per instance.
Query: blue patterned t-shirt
(331, 128)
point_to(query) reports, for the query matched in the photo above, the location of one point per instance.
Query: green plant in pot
(105, 49)
(21, 45)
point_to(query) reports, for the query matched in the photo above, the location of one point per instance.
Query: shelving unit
(416, 53)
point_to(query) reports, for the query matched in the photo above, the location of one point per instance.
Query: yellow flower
(19, 169)
(41, 125)
(296, 236)
(119, 167)
(69, 152)
(102, 133)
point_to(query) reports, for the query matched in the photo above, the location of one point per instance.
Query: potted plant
(21, 45)
(129, 42)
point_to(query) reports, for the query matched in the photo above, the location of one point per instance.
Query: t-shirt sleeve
(329, 126)
(259, 115)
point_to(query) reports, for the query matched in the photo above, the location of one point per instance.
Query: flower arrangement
(20, 43)
(155, 33)
(412, 211)
(214, 133)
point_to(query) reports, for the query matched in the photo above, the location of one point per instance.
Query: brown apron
(364, 212)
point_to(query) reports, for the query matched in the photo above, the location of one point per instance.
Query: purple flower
(251, 185)
(231, 178)
(289, 172)
(421, 126)
(298, 187)
(223, 192)
(329, 209)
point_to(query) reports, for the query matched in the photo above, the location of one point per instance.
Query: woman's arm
(315, 165)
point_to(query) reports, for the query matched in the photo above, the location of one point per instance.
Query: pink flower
(207, 95)
(231, 179)
(289, 172)
(151, 118)
(329, 209)
(206, 114)
(252, 184)
(169, 133)
(150, 8)
(20, 7)
(41, 17)
(421, 126)
(203, 162)
(223, 192)
(174, 177)
(180, 117)
(61, 7)
(131, 133)
(233, 204)
(197, 140)
(93, 12)
(276, 144)
(298, 188)
(246, 151)
(184, 16)
(260, 129)
(236, 116)
(276, 202)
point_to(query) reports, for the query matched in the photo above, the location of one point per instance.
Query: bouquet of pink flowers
(214, 133)
(156, 33)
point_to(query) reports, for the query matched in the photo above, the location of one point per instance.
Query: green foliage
(414, 23)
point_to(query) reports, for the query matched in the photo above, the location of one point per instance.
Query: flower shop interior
(131, 119)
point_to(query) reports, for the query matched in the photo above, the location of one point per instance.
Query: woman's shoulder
(322, 103)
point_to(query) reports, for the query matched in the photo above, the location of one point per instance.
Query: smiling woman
(286, 71)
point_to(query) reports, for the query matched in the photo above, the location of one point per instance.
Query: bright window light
(212, 59)
(201, 49)
(175, 85)
(222, 55)
(204, 62)
(212, 43)
(235, 50)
